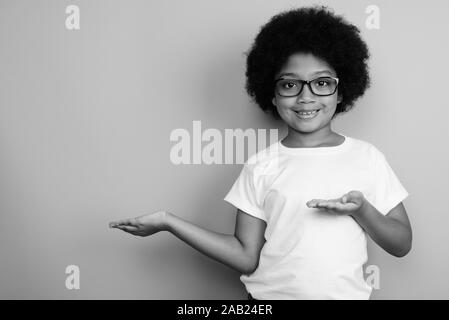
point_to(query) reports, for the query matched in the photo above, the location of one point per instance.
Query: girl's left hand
(348, 204)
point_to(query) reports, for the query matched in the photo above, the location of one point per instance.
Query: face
(295, 111)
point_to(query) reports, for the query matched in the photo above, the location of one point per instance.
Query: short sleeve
(388, 190)
(244, 194)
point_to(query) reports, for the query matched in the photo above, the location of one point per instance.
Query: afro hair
(315, 30)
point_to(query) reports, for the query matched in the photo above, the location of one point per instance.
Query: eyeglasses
(322, 86)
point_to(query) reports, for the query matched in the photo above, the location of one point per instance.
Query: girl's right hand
(143, 225)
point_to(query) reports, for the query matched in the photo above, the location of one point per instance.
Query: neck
(323, 137)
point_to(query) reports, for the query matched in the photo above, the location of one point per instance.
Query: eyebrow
(296, 75)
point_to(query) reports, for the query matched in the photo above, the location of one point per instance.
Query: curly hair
(314, 30)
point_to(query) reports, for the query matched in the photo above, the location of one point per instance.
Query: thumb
(348, 197)
(352, 196)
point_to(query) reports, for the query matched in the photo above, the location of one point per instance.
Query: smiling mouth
(306, 114)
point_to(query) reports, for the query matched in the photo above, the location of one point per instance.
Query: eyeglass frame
(307, 82)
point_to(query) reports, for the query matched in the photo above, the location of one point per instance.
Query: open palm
(143, 225)
(348, 204)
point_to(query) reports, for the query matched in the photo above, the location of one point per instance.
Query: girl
(304, 204)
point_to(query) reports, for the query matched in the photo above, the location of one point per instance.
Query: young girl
(305, 203)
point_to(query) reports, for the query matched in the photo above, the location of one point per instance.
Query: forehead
(305, 65)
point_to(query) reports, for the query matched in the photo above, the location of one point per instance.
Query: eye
(288, 85)
(322, 83)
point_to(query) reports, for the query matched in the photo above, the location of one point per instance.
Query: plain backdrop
(85, 123)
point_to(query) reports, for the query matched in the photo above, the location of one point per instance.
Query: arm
(239, 251)
(392, 231)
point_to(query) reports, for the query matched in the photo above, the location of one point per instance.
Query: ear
(273, 101)
(339, 98)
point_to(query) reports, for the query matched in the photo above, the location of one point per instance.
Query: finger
(313, 203)
(126, 222)
(320, 204)
(327, 205)
(336, 200)
(128, 228)
(115, 224)
(119, 222)
(341, 207)
(338, 206)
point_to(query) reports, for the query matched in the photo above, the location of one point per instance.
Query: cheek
(329, 110)
(282, 107)
(330, 105)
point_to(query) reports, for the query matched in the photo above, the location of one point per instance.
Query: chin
(307, 131)
(306, 128)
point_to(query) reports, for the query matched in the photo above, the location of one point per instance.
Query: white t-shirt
(309, 253)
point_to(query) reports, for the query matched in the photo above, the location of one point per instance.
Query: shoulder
(263, 160)
(367, 148)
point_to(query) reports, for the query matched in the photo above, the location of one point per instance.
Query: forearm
(224, 248)
(390, 234)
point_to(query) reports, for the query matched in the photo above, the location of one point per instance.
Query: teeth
(307, 113)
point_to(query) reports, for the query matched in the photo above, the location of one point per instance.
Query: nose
(306, 95)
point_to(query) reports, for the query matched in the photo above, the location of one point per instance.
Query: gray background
(85, 121)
